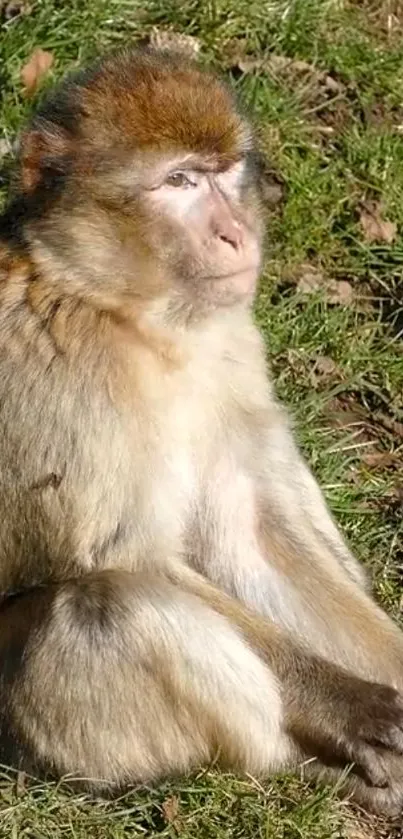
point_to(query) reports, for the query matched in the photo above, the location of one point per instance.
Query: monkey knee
(104, 643)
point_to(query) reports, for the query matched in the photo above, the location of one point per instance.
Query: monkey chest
(174, 493)
(196, 501)
(135, 497)
(110, 493)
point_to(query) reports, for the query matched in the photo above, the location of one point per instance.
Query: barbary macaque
(173, 585)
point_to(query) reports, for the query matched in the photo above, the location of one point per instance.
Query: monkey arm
(312, 688)
(301, 543)
(292, 493)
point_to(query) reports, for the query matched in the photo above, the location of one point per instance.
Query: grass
(330, 121)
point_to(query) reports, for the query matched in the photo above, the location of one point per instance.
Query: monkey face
(193, 224)
(210, 238)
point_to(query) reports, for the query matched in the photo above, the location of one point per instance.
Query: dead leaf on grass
(236, 55)
(325, 367)
(35, 70)
(170, 810)
(376, 228)
(390, 424)
(338, 292)
(392, 499)
(21, 783)
(15, 8)
(271, 183)
(296, 363)
(382, 460)
(357, 832)
(169, 39)
(344, 412)
(248, 64)
(310, 281)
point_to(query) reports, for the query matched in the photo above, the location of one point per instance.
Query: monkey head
(138, 182)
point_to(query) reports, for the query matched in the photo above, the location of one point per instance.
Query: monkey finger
(371, 765)
(391, 738)
(399, 705)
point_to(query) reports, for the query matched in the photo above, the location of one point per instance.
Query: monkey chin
(233, 288)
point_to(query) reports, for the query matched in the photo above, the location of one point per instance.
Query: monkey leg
(124, 678)
(120, 678)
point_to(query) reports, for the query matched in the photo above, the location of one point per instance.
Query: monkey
(173, 586)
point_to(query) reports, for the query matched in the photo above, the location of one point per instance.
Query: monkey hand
(343, 719)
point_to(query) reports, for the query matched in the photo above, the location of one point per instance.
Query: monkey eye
(179, 179)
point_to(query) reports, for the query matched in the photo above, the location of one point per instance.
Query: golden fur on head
(147, 98)
(156, 98)
(88, 153)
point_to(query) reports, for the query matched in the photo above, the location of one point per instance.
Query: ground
(323, 80)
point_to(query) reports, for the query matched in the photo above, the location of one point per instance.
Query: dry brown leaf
(21, 784)
(297, 64)
(234, 52)
(325, 366)
(382, 460)
(346, 413)
(331, 84)
(236, 55)
(281, 63)
(35, 69)
(271, 184)
(170, 809)
(394, 497)
(310, 281)
(339, 291)
(393, 426)
(389, 504)
(359, 833)
(375, 228)
(15, 8)
(248, 64)
(168, 39)
(296, 362)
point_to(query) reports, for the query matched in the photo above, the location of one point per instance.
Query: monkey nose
(229, 231)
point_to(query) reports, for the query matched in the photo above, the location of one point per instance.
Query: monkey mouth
(232, 275)
(243, 280)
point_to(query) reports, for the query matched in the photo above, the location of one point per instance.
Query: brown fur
(173, 586)
(141, 102)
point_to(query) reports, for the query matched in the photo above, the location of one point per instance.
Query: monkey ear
(43, 151)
